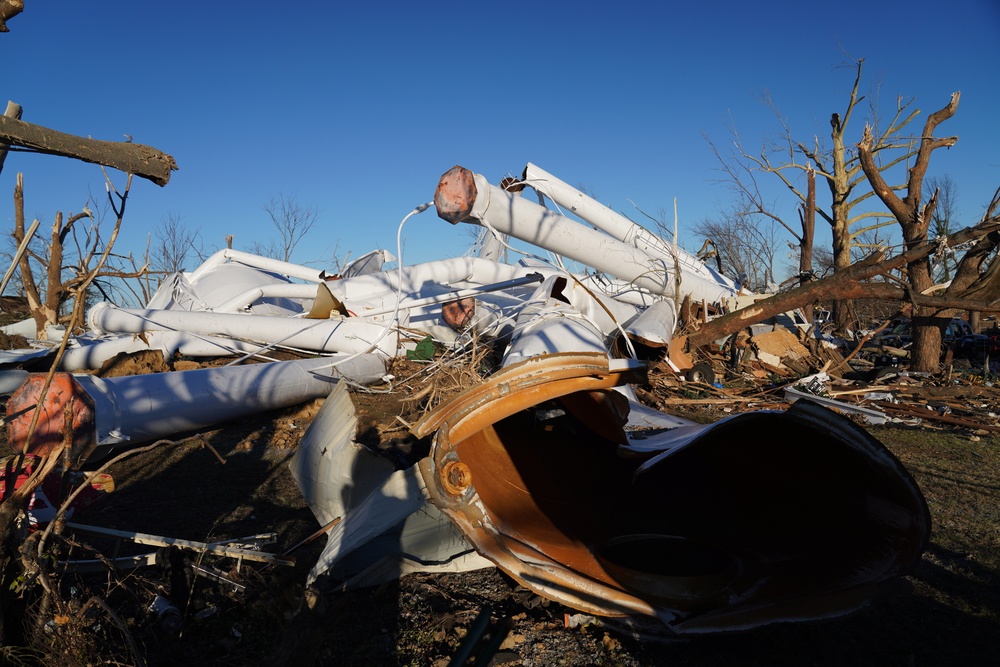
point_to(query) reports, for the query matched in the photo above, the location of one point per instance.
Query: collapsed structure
(551, 469)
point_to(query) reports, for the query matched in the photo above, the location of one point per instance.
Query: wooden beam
(143, 161)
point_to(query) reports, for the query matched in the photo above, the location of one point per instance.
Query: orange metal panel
(66, 416)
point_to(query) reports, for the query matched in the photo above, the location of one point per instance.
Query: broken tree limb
(8, 10)
(932, 415)
(138, 159)
(861, 343)
(846, 285)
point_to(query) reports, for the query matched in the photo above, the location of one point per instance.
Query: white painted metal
(342, 479)
(242, 302)
(453, 295)
(88, 352)
(328, 457)
(617, 225)
(491, 247)
(375, 295)
(354, 335)
(54, 333)
(570, 199)
(10, 380)
(655, 325)
(26, 327)
(426, 279)
(368, 263)
(546, 325)
(258, 262)
(144, 407)
(215, 288)
(511, 214)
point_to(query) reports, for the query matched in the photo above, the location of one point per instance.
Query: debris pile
(563, 465)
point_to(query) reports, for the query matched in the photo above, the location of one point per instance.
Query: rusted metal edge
(525, 564)
(521, 386)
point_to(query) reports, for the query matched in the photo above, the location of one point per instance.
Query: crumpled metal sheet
(385, 528)
(761, 518)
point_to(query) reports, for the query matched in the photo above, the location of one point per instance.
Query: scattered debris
(567, 463)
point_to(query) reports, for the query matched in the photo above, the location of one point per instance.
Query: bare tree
(173, 245)
(20, 564)
(914, 218)
(56, 270)
(836, 165)
(292, 220)
(747, 244)
(975, 291)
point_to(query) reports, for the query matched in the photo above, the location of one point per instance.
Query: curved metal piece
(765, 517)
(523, 385)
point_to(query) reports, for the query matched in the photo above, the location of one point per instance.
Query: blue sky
(356, 109)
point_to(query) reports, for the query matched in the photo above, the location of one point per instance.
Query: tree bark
(839, 183)
(143, 161)
(27, 277)
(846, 285)
(808, 228)
(8, 10)
(914, 220)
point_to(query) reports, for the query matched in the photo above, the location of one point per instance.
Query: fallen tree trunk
(143, 161)
(846, 285)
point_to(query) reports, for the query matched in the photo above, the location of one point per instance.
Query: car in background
(958, 337)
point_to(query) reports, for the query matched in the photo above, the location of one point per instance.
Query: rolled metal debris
(87, 412)
(765, 517)
(222, 283)
(463, 196)
(352, 334)
(89, 352)
(618, 226)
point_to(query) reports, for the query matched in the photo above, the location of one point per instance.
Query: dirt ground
(234, 482)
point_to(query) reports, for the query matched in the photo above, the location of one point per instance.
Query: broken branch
(846, 285)
(138, 159)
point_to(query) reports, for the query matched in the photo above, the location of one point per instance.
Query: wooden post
(13, 111)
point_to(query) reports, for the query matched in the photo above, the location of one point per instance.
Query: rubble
(565, 466)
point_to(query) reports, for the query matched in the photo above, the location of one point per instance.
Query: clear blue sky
(356, 108)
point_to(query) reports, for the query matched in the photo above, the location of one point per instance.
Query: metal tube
(256, 261)
(333, 335)
(597, 214)
(459, 294)
(89, 353)
(138, 408)
(463, 196)
(616, 224)
(242, 301)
